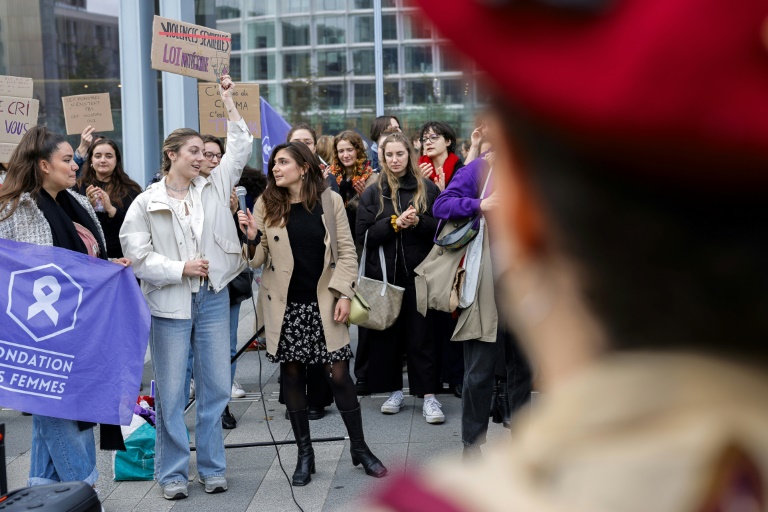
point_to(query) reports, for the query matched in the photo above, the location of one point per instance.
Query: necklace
(176, 189)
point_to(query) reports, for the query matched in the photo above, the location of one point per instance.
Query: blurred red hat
(677, 84)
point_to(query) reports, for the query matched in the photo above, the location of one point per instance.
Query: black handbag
(240, 288)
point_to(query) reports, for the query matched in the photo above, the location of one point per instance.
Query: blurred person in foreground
(635, 249)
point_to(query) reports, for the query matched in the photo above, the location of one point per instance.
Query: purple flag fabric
(274, 131)
(73, 334)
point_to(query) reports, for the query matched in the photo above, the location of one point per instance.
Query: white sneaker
(191, 389)
(432, 410)
(237, 390)
(393, 403)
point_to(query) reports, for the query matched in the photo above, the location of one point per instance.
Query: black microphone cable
(261, 384)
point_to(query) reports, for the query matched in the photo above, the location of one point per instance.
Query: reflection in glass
(363, 61)
(261, 34)
(418, 59)
(294, 6)
(365, 95)
(296, 32)
(331, 63)
(362, 28)
(331, 30)
(261, 7)
(332, 96)
(262, 67)
(296, 65)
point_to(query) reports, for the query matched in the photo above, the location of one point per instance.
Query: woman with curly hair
(109, 190)
(352, 170)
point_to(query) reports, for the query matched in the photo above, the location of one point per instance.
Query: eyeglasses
(210, 156)
(308, 142)
(431, 139)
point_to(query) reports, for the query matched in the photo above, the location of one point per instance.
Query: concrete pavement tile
(155, 504)
(129, 490)
(121, 505)
(18, 434)
(350, 484)
(18, 472)
(275, 492)
(422, 454)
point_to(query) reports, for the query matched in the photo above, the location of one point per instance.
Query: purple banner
(274, 131)
(73, 334)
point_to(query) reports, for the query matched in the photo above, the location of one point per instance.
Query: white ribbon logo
(45, 301)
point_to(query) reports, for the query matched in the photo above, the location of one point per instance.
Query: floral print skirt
(302, 338)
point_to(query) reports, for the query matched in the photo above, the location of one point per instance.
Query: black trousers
(412, 336)
(452, 352)
(480, 359)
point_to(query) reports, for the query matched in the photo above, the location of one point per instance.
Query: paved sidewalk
(256, 483)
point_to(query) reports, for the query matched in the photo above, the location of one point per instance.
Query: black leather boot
(360, 452)
(305, 462)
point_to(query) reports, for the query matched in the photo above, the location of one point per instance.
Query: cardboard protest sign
(213, 114)
(190, 50)
(6, 150)
(16, 86)
(87, 109)
(17, 115)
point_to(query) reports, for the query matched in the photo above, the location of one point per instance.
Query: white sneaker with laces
(432, 410)
(237, 390)
(393, 403)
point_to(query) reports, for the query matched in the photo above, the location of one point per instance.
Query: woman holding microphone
(299, 232)
(180, 234)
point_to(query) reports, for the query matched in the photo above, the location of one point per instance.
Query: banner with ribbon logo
(73, 333)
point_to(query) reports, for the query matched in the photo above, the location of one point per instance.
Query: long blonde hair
(420, 198)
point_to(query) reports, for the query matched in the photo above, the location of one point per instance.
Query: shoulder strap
(330, 221)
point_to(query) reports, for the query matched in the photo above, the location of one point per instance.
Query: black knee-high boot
(358, 449)
(305, 462)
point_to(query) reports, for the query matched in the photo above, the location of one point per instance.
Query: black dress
(301, 337)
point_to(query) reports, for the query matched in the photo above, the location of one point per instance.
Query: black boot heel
(359, 451)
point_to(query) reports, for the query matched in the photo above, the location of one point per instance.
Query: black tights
(337, 374)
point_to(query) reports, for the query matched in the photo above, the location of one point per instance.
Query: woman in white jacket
(180, 235)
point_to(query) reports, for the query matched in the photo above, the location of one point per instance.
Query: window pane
(296, 32)
(235, 70)
(363, 61)
(331, 63)
(227, 9)
(418, 59)
(331, 30)
(333, 5)
(236, 41)
(365, 95)
(295, 6)
(389, 27)
(419, 92)
(391, 93)
(362, 28)
(390, 61)
(361, 4)
(454, 92)
(262, 67)
(261, 7)
(415, 27)
(449, 60)
(261, 35)
(332, 96)
(296, 65)
(386, 4)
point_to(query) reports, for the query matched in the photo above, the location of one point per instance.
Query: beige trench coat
(434, 279)
(338, 278)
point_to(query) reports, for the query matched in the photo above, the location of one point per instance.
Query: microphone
(240, 192)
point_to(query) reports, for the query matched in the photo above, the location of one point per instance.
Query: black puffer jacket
(412, 244)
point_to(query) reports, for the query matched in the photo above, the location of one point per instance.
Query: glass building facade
(314, 62)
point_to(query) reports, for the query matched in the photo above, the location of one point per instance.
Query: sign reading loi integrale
(73, 337)
(190, 50)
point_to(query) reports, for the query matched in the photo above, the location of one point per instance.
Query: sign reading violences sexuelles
(190, 50)
(213, 114)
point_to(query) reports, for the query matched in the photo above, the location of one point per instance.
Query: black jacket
(412, 244)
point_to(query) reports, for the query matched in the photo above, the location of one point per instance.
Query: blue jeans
(61, 452)
(171, 340)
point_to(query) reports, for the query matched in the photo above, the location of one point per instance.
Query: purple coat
(460, 198)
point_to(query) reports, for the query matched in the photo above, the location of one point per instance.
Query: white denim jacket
(152, 237)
